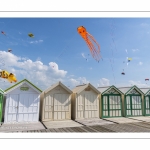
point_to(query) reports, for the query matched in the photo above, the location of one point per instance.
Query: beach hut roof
(57, 84)
(78, 89)
(21, 83)
(105, 89)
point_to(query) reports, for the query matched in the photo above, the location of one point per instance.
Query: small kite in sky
(31, 35)
(9, 50)
(129, 59)
(123, 72)
(146, 80)
(3, 32)
(89, 39)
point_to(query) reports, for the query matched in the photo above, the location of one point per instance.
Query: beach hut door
(91, 106)
(61, 106)
(12, 108)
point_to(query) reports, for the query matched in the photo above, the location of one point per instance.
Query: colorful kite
(89, 39)
(4, 74)
(30, 35)
(129, 59)
(12, 78)
(9, 76)
(3, 32)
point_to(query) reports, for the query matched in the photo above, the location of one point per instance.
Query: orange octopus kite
(88, 39)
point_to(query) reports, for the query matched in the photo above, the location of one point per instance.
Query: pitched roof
(80, 88)
(145, 90)
(20, 83)
(103, 90)
(126, 90)
(55, 85)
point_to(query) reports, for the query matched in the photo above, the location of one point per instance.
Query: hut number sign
(24, 88)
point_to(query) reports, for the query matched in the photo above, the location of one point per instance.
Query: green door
(111, 106)
(1, 106)
(147, 105)
(133, 104)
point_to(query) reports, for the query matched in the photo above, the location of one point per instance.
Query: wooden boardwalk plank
(65, 130)
(126, 128)
(70, 130)
(101, 129)
(89, 129)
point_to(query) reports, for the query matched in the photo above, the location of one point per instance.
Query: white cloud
(37, 41)
(104, 82)
(137, 83)
(35, 71)
(78, 81)
(140, 63)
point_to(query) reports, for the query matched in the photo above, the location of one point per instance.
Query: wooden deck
(61, 124)
(27, 126)
(122, 120)
(94, 121)
(141, 126)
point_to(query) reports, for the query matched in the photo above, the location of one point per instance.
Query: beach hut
(133, 98)
(1, 103)
(111, 102)
(85, 102)
(56, 103)
(146, 103)
(22, 102)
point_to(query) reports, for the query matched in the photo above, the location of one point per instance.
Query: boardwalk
(87, 126)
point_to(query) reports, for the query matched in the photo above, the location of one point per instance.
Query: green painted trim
(114, 88)
(1, 91)
(21, 82)
(108, 106)
(1, 105)
(147, 92)
(145, 105)
(131, 105)
(135, 88)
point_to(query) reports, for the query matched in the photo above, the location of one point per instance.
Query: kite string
(65, 47)
(113, 72)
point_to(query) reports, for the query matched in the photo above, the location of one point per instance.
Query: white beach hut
(22, 102)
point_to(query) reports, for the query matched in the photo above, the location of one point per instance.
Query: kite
(3, 32)
(129, 59)
(9, 50)
(4, 74)
(30, 35)
(146, 80)
(12, 78)
(123, 72)
(9, 76)
(88, 39)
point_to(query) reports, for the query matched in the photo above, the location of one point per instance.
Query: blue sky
(58, 53)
